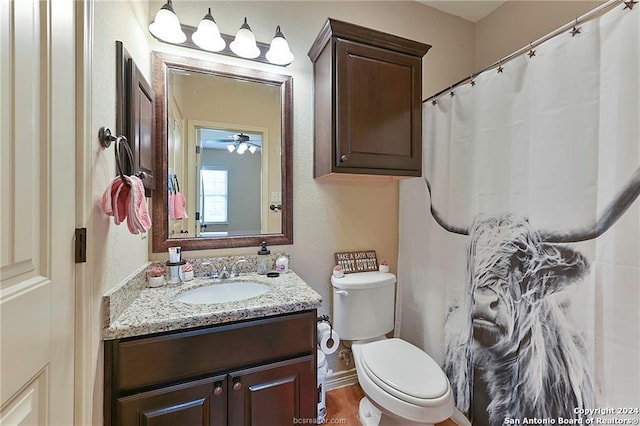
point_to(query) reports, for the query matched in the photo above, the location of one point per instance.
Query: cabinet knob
(217, 391)
(343, 158)
(237, 385)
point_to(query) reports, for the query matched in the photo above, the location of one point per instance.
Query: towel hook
(106, 138)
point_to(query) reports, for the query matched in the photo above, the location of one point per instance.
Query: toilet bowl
(403, 384)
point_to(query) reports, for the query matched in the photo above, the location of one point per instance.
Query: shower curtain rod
(598, 11)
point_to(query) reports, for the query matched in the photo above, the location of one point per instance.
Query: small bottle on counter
(264, 260)
(282, 264)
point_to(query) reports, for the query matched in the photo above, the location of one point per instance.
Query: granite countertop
(152, 310)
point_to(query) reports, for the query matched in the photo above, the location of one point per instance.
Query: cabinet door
(141, 126)
(378, 117)
(198, 403)
(274, 394)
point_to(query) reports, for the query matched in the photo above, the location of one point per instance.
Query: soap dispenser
(264, 260)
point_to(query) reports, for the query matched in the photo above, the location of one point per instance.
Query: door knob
(343, 158)
(237, 385)
(217, 391)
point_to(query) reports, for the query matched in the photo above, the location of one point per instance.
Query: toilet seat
(420, 411)
(404, 371)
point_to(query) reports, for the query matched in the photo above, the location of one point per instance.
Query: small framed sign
(357, 261)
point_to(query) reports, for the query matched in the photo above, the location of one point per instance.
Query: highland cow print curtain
(520, 269)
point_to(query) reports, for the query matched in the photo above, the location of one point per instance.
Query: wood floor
(342, 404)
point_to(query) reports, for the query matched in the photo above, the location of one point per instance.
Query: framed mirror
(223, 155)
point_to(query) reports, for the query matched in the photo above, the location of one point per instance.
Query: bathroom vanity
(232, 363)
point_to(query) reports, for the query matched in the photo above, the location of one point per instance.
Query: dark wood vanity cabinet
(248, 373)
(201, 402)
(367, 100)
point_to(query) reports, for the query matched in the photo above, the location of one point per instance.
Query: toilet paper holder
(325, 318)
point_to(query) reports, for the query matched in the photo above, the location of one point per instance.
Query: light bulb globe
(166, 26)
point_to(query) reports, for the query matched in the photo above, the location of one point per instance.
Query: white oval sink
(222, 293)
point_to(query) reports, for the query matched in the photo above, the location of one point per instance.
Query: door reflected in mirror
(225, 136)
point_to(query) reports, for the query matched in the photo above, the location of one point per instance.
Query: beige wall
(515, 24)
(113, 252)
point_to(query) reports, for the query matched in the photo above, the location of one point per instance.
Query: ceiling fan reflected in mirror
(238, 142)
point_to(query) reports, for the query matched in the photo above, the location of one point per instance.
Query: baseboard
(341, 379)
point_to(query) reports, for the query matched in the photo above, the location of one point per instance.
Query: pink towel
(127, 202)
(179, 206)
(138, 214)
(120, 195)
(170, 205)
(112, 203)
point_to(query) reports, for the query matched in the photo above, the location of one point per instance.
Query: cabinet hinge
(197, 149)
(81, 245)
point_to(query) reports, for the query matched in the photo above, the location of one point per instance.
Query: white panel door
(37, 209)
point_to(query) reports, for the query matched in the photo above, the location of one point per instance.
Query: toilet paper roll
(328, 339)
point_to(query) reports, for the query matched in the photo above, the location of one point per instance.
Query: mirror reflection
(230, 163)
(226, 138)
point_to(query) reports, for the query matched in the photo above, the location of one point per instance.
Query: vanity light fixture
(244, 44)
(279, 52)
(207, 36)
(166, 25)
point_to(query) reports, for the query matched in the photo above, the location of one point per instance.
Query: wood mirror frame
(160, 229)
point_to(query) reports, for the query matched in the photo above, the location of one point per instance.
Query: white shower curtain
(544, 145)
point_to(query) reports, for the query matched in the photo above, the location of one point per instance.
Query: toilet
(402, 384)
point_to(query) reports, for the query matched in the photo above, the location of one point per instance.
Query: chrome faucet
(224, 274)
(234, 273)
(215, 272)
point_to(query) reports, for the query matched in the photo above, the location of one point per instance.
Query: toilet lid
(404, 370)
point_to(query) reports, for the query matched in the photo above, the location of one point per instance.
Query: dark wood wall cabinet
(368, 101)
(135, 108)
(253, 372)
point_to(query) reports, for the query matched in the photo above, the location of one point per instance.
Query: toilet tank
(363, 304)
